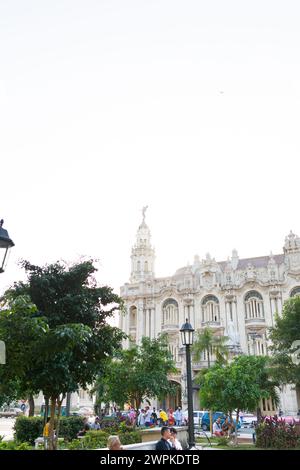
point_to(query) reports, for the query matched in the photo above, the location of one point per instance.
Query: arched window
(170, 312)
(132, 316)
(138, 266)
(258, 344)
(295, 291)
(146, 266)
(254, 305)
(210, 309)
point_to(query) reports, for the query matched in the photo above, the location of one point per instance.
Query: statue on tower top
(144, 212)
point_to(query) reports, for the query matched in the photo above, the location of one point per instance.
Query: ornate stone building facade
(237, 298)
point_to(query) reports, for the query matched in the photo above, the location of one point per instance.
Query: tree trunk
(52, 443)
(259, 416)
(208, 359)
(46, 410)
(236, 427)
(59, 402)
(68, 404)
(31, 405)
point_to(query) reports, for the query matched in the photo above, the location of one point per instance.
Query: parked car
(197, 417)
(84, 411)
(205, 422)
(248, 420)
(10, 412)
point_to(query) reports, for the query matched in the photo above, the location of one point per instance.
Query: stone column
(153, 318)
(140, 322)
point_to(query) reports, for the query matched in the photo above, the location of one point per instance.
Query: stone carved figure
(144, 212)
(234, 337)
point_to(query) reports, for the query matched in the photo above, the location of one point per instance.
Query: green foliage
(98, 439)
(131, 437)
(69, 426)
(21, 328)
(28, 429)
(206, 341)
(12, 445)
(138, 373)
(222, 441)
(275, 434)
(66, 337)
(238, 386)
(285, 331)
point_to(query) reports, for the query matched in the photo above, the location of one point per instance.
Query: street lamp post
(187, 337)
(5, 244)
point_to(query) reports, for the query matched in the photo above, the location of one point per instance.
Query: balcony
(255, 321)
(211, 324)
(170, 327)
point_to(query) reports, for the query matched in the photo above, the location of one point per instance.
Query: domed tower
(142, 254)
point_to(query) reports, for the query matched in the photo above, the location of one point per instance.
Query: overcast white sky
(191, 107)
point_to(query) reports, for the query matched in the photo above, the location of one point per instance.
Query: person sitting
(83, 431)
(175, 442)
(217, 428)
(226, 427)
(113, 443)
(163, 443)
(96, 424)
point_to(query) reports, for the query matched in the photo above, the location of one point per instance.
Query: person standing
(178, 416)
(147, 417)
(46, 433)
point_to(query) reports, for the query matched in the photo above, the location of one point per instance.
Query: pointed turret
(142, 254)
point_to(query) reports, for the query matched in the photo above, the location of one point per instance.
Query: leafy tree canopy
(239, 385)
(74, 337)
(284, 333)
(138, 373)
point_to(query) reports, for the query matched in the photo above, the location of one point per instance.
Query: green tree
(70, 353)
(138, 373)
(238, 386)
(285, 331)
(21, 327)
(206, 341)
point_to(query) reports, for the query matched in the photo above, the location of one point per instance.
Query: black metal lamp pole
(5, 244)
(187, 334)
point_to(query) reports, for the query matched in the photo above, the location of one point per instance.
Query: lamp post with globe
(187, 338)
(5, 244)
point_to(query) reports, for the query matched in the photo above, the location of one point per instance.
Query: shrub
(27, 429)
(69, 427)
(222, 441)
(13, 445)
(131, 437)
(276, 434)
(95, 439)
(111, 423)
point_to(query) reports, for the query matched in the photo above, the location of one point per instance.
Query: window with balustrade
(170, 312)
(210, 309)
(254, 305)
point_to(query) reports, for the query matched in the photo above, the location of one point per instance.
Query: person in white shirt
(178, 416)
(217, 428)
(173, 439)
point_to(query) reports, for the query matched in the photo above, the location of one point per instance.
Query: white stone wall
(271, 278)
